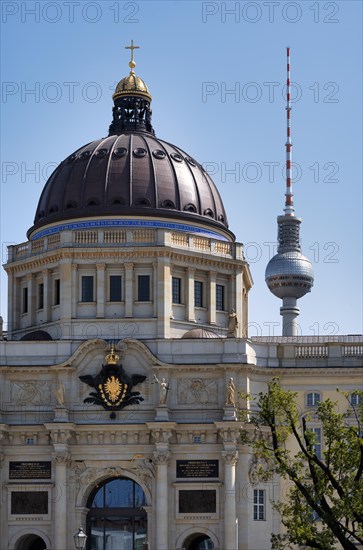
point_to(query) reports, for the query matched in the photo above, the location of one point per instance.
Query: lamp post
(80, 539)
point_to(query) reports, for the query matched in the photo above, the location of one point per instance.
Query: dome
(289, 274)
(131, 85)
(130, 174)
(199, 333)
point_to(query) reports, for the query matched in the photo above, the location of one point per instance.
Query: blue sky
(216, 71)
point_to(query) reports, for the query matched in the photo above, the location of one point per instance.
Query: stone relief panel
(30, 392)
(198, 391)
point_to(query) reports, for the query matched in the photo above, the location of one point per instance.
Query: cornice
(44, 260)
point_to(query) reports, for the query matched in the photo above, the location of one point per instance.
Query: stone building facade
(126, 352)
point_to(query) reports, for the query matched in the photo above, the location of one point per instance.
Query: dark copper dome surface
(131, 174)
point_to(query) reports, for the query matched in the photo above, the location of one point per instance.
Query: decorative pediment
(90, 349)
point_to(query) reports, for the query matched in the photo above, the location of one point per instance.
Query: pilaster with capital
(12, 282)
(190, 294)
(212, 297)
(74, 298)
(46, 294)
(100, 291)
(232, 292)
(129, 289)
(229, 433)
(61, 461)
(31, 298)
(230, 458)
(239, 301)
(60, 436)
(155, 289)
(161, 433)
(163, 297)
(68, 290)
(14, 316)
(161, 460)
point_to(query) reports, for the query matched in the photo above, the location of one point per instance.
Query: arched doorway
(116, 518)
(31, 542)
(198, 541)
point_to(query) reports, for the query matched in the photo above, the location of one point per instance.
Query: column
(47, 296)
(100, 291)
(60, 461)
(164, 297)
(129, 289)
(161, 460)
(212, 298)
(230, 518)
(190, 294)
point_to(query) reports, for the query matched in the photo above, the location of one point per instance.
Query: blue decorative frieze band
(152, 224)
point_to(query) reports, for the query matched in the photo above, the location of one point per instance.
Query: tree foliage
(324, 504)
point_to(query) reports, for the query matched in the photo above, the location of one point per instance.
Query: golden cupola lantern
(131, 102)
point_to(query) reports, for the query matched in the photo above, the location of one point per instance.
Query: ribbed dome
(132, 174)
(131, 84)
(199, 333)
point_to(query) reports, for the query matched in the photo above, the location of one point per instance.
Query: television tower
(289, 275)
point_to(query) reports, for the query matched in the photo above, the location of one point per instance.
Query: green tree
(324, 504)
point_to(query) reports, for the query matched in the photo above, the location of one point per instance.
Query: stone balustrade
(345, 351)
(115, 237)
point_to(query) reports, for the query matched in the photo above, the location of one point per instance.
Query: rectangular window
(115, 288)
(143, 288)
(40, 296)
(24, 309)
(258, 504)
(219, 297)
(355, 399)
(57, 292)
(317, 446)
(87, 288)
(176, 290)
(198, 294)
(312, 399)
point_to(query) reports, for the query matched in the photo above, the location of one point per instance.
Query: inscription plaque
(197, 468)
(197, 502)
(30, 470)
(29, 502)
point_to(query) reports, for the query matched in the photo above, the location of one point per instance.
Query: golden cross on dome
(132, 63)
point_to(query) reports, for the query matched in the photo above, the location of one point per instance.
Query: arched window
(116, 518)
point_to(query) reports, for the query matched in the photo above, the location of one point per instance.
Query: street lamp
(80, 539)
